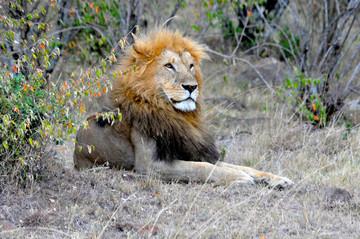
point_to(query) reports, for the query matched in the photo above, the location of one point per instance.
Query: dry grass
(119, 204)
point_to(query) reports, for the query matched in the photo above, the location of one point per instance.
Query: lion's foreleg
(145, 163)
(198, 172)
(269, 178)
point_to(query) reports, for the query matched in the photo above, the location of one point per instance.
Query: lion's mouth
(176, 101)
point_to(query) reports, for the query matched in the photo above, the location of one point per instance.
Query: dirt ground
(104, 203)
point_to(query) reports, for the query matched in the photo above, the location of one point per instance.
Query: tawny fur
(154, 135)
(142, 103)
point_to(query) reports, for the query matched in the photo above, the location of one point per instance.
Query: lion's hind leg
(259, 176)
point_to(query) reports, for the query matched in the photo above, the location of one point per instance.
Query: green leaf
(98, 73)
(195, 28)
(288, 82)
(6, 145)
(225, 79)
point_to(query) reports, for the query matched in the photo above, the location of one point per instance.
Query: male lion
(162, 128)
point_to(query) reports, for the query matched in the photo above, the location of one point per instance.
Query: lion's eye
(170, 66)
(191, 66)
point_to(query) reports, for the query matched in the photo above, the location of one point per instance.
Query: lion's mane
(178, 135)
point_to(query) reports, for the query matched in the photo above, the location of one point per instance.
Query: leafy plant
(36, 110)
(322, 42)
(304, 101)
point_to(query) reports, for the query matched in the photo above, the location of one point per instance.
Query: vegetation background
(282, 95)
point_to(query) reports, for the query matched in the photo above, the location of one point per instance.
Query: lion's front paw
(280, 182)
(244, 179)
(247, 179)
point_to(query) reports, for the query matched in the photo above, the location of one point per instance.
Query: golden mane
(142, 103)
(138, 63)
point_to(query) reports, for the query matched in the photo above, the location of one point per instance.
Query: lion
(162, 129)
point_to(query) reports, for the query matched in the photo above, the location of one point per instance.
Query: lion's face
(176, 77)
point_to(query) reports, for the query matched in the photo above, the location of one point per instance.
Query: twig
(156, 219)
(173, 13)
(341, 58)
(195, 199)
(355, 91)
(113, 215)
(243, 60)
(352, 58)
(241, 36)
(352, 78)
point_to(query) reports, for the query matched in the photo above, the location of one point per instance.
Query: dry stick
(292, 51)
(157, 16)
(128, 11)
(281, 49)
(343, 22)
(241, 36)
(353, 56)
(112, 216)
(173, 13)
(156, 219)
(355, 91)
(334, 21)
(195, 199)
(345, 53)
(352, 78)
(276, 20)
(243, 60)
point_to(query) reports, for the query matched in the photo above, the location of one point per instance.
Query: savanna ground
(253, 127)
(104, 203)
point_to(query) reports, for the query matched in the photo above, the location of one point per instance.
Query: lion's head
(177, 79)
(167, 68)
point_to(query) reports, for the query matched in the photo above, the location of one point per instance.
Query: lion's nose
(189, 88)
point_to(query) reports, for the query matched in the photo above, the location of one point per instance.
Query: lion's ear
(136, 50)
(140, 51)
(142, 59)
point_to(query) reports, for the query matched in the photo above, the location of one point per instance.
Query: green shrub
(303, 98)
(34, 114)
(37, 110)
